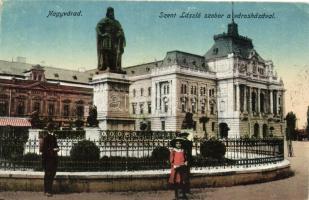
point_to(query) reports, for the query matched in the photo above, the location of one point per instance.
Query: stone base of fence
(142, 180)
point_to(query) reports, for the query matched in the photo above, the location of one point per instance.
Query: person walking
(49, 159)
(179, 173)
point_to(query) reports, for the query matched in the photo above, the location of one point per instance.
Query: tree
(204, 120)
(188, 122)
(290, 125)
(92, 118)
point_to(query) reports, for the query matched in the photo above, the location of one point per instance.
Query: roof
(185, 59)
(175, 57)
(51, 73)
(43, 85)
(232, 42)
(14, 121)
(142, 69)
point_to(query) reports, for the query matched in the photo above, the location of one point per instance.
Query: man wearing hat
(49, 159)
(179, 173)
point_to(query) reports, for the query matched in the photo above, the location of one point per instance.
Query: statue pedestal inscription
(111, 97)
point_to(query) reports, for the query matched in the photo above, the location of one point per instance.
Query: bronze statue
(110, 43)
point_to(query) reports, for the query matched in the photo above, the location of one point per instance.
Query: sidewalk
(294, 188)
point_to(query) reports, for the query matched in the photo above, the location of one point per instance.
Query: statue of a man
(110, 43)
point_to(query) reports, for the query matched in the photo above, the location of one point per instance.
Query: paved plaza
(294, 188)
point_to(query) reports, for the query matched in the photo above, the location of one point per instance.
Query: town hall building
(232, 85)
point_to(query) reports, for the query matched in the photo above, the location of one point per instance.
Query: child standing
(179, 172)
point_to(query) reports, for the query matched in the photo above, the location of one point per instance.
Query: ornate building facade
(232, 85)
(62, 95)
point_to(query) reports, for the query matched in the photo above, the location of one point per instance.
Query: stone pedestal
(111, 97)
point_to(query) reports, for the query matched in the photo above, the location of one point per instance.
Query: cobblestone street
(294, 188)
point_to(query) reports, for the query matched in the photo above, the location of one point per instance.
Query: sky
(70, 42)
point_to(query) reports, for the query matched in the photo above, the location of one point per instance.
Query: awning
(14, 121)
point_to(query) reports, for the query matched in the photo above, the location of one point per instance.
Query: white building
(231, 84)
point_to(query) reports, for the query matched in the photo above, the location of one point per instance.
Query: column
(245, 98)
(271, 101)
(237, 97)
(258, 100)
(170, 103)
(283, 103)
(277, 106)
(250, 100)
(157, 97)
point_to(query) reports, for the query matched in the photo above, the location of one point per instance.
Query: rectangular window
(142, 92)
(163, 125)
(193, 108)
(165, 107)
(183, 107)
(133, 109)
(203, 109)
(149, 108)
(213, 126)
(141, 108)
(20, 108)
(51, 108)
(66, 110)
(3, 108)
(79, 111)
(212, 109)
(149, 91)
(36, 106)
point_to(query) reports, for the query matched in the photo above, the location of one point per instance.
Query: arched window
(223, 130)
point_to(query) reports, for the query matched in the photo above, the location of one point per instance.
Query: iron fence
(126, 151)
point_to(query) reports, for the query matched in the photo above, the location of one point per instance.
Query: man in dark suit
(49, 159)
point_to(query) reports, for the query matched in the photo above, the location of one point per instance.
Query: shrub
(29, 157)
(160, 153)
(213, 149)
(92, 118)
(79, 123)
(85, 150)
(66, 134)
(12, 148)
